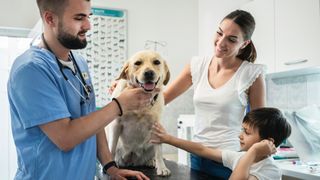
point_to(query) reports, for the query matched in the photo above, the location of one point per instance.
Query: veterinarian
(57, 131)
(224, 84)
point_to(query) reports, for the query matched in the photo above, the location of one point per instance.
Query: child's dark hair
(270, 123)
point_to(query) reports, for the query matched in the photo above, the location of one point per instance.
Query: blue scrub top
(39, 94)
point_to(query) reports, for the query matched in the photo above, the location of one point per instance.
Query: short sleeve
(230, 158)
(266, 173)
(247, 77)
(265, 170)
(35, 95)
(197, 67)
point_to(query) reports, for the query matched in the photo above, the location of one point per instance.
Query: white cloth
(305, 133)
(68, 64)
(264, 169)
(219, 112)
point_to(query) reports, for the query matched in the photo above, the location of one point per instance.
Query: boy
(263, 130)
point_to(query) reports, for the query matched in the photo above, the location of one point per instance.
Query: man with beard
(57, 131)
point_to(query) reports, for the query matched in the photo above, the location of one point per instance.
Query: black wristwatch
(109, 165)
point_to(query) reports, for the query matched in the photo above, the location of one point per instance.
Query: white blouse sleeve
(248, 76)
(197, 67)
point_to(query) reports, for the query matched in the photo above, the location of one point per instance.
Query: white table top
(298, 170)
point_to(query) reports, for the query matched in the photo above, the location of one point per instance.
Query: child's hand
(159, 134)
(262, 149)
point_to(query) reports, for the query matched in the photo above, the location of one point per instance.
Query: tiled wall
(293, 92)
(181, 105)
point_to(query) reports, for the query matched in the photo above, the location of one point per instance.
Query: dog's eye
(156, 62)
(138, 63)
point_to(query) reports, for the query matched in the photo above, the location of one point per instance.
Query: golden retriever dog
(132, 131)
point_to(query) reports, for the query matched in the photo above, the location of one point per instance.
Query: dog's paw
(164, 171)
(151, 163)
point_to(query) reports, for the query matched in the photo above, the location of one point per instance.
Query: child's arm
(256, 153)
(161, 136)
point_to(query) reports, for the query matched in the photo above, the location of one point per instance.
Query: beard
(70, 41)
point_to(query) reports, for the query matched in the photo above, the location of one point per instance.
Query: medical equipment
(87, 88)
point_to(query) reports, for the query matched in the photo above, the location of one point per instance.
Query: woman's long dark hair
(247, 25)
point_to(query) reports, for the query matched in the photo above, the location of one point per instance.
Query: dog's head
(146, 69)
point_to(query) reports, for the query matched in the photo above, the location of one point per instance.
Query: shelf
(292, 73)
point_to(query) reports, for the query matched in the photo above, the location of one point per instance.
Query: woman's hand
(159, 134)
(112, 87)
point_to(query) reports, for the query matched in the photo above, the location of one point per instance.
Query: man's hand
(135, 98)
(262, 149)
(159, 134)
(121, 174)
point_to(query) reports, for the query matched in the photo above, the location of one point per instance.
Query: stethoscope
(87, 88)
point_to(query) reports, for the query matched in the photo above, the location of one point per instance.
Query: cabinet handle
(296, 62)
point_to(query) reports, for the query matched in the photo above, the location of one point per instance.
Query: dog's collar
(154, 99)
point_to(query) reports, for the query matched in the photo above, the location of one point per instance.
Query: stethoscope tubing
(85, 86)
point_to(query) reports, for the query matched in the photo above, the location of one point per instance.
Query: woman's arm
(161, 136)
(179, 85)
(257, 93)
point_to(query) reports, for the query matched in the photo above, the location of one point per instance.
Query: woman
(224, 85)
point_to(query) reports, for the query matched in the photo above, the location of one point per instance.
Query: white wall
(10, 48)
(211, 12)
(18, 13)
(173, 21)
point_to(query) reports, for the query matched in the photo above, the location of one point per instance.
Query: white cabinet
(185, 125)
(263, 36)
(287, 34)
(297, 34)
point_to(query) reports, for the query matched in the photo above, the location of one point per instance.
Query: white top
(264, 169)
(219, 111)
(68, 64)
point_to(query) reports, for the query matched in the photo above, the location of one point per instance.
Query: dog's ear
(167, 77)
(124, 72)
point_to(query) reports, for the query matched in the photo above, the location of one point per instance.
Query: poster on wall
(106, 50)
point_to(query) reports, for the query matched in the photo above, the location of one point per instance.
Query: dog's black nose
(148, 75)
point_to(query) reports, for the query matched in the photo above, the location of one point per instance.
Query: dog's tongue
(149, 86)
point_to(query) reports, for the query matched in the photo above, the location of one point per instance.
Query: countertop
(178, 172)
(300, 171)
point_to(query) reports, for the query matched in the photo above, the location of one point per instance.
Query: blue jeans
(210, 167)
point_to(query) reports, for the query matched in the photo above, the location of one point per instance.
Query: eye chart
(106, 51)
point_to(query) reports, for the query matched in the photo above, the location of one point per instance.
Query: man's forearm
(103, 151)
(67, 133)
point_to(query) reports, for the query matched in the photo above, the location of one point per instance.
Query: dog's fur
(132, 131)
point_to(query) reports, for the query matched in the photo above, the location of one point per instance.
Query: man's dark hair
(56, 6)
(270, 123)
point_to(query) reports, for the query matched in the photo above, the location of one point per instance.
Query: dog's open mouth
(149, 85)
